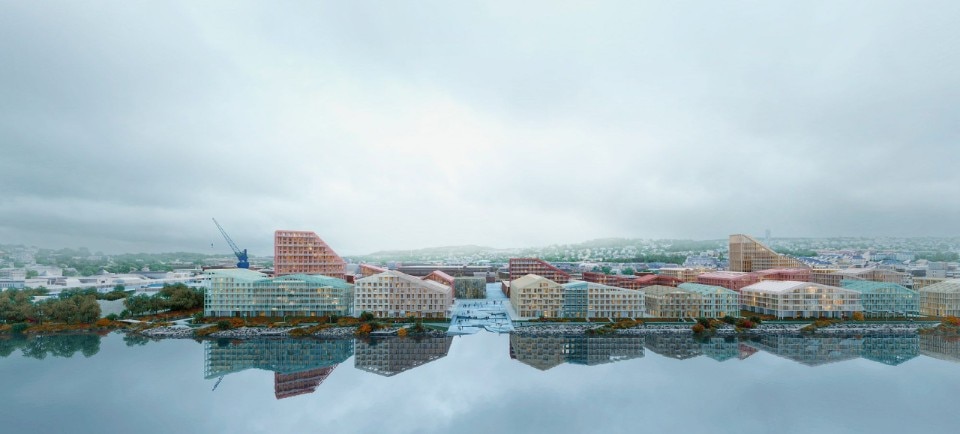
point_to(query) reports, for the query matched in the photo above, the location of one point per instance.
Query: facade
(881, 299)
(594, 300)
(536, 296)
(748, 254)
(788, 299)
(941, 299)
(299, 383)
(393, 294)
(794, 274)
(303, 252)
(686, 274)
(242, 292)
(470, 287)
(520, 267)
(715, 301)
(733, 280)
(285, 356)
(836, 277)
(671, 302)
(923, 282)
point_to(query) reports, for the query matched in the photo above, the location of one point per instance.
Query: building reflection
(545, 352)
(721, 348)
(299, 365)
(391, 356)
(890, 350)
(941, 347)
(680, 346)
(810, 351)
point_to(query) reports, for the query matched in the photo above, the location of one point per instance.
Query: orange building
(303, 252)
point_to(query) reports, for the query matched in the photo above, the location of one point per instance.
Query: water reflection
(941, 347)
(391, 356)
(545, 352)
(39, 347)
(299, 365)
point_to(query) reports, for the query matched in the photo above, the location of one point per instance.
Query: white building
(394, 294)
(788, 299)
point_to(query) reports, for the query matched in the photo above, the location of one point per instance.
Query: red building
(630, 282)
(734, 280)
(520, 267)
(304, 252)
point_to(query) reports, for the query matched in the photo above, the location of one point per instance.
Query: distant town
(608, 278)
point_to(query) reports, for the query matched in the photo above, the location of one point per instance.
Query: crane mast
(242, 261)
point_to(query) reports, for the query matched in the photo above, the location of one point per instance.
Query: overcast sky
(125, 126)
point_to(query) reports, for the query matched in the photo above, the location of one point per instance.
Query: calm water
(482, 383)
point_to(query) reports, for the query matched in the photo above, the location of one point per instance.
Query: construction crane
(242, 261)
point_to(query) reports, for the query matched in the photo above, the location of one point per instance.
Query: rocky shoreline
(653, 329)
(279, 332)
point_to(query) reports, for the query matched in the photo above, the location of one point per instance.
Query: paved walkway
(473, 315)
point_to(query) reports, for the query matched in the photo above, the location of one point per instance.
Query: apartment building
(881, 299)
(748, 254)
(733, 280)
(594, 300)
(394, 294)
(304, 252)
(246, 293)
(534, 296)
(790, 299)
(671, 302)
(715, 301)
(941, 299)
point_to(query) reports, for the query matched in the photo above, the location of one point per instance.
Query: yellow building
(748, 254)
(536, 296)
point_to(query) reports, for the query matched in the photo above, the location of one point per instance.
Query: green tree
(32, 273)
(628, 271)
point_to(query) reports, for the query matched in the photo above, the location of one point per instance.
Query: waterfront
(482, 382)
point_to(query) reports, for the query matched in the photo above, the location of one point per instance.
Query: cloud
(127, 126)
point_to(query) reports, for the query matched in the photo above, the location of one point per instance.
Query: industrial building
(245, 293)
(748, 254)
(789, 299)
(941, 299)
(880, 299)
(304, 252)
(393, 294)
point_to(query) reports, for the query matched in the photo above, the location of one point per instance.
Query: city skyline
(126, 127)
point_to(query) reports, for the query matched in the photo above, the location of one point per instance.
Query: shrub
(19, 327)
(705, 323)
(364, 329)
(755, 319)
(952, 321)
(224, 324)
(857, 316)
(103, 322)
(402, 332)
(729, 320)
(698, 328)
(745, 323)
(347, 321)
(112, 317)
(366, 316)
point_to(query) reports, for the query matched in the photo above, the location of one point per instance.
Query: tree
(628, 271)
(32, 273)
(606, 269)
